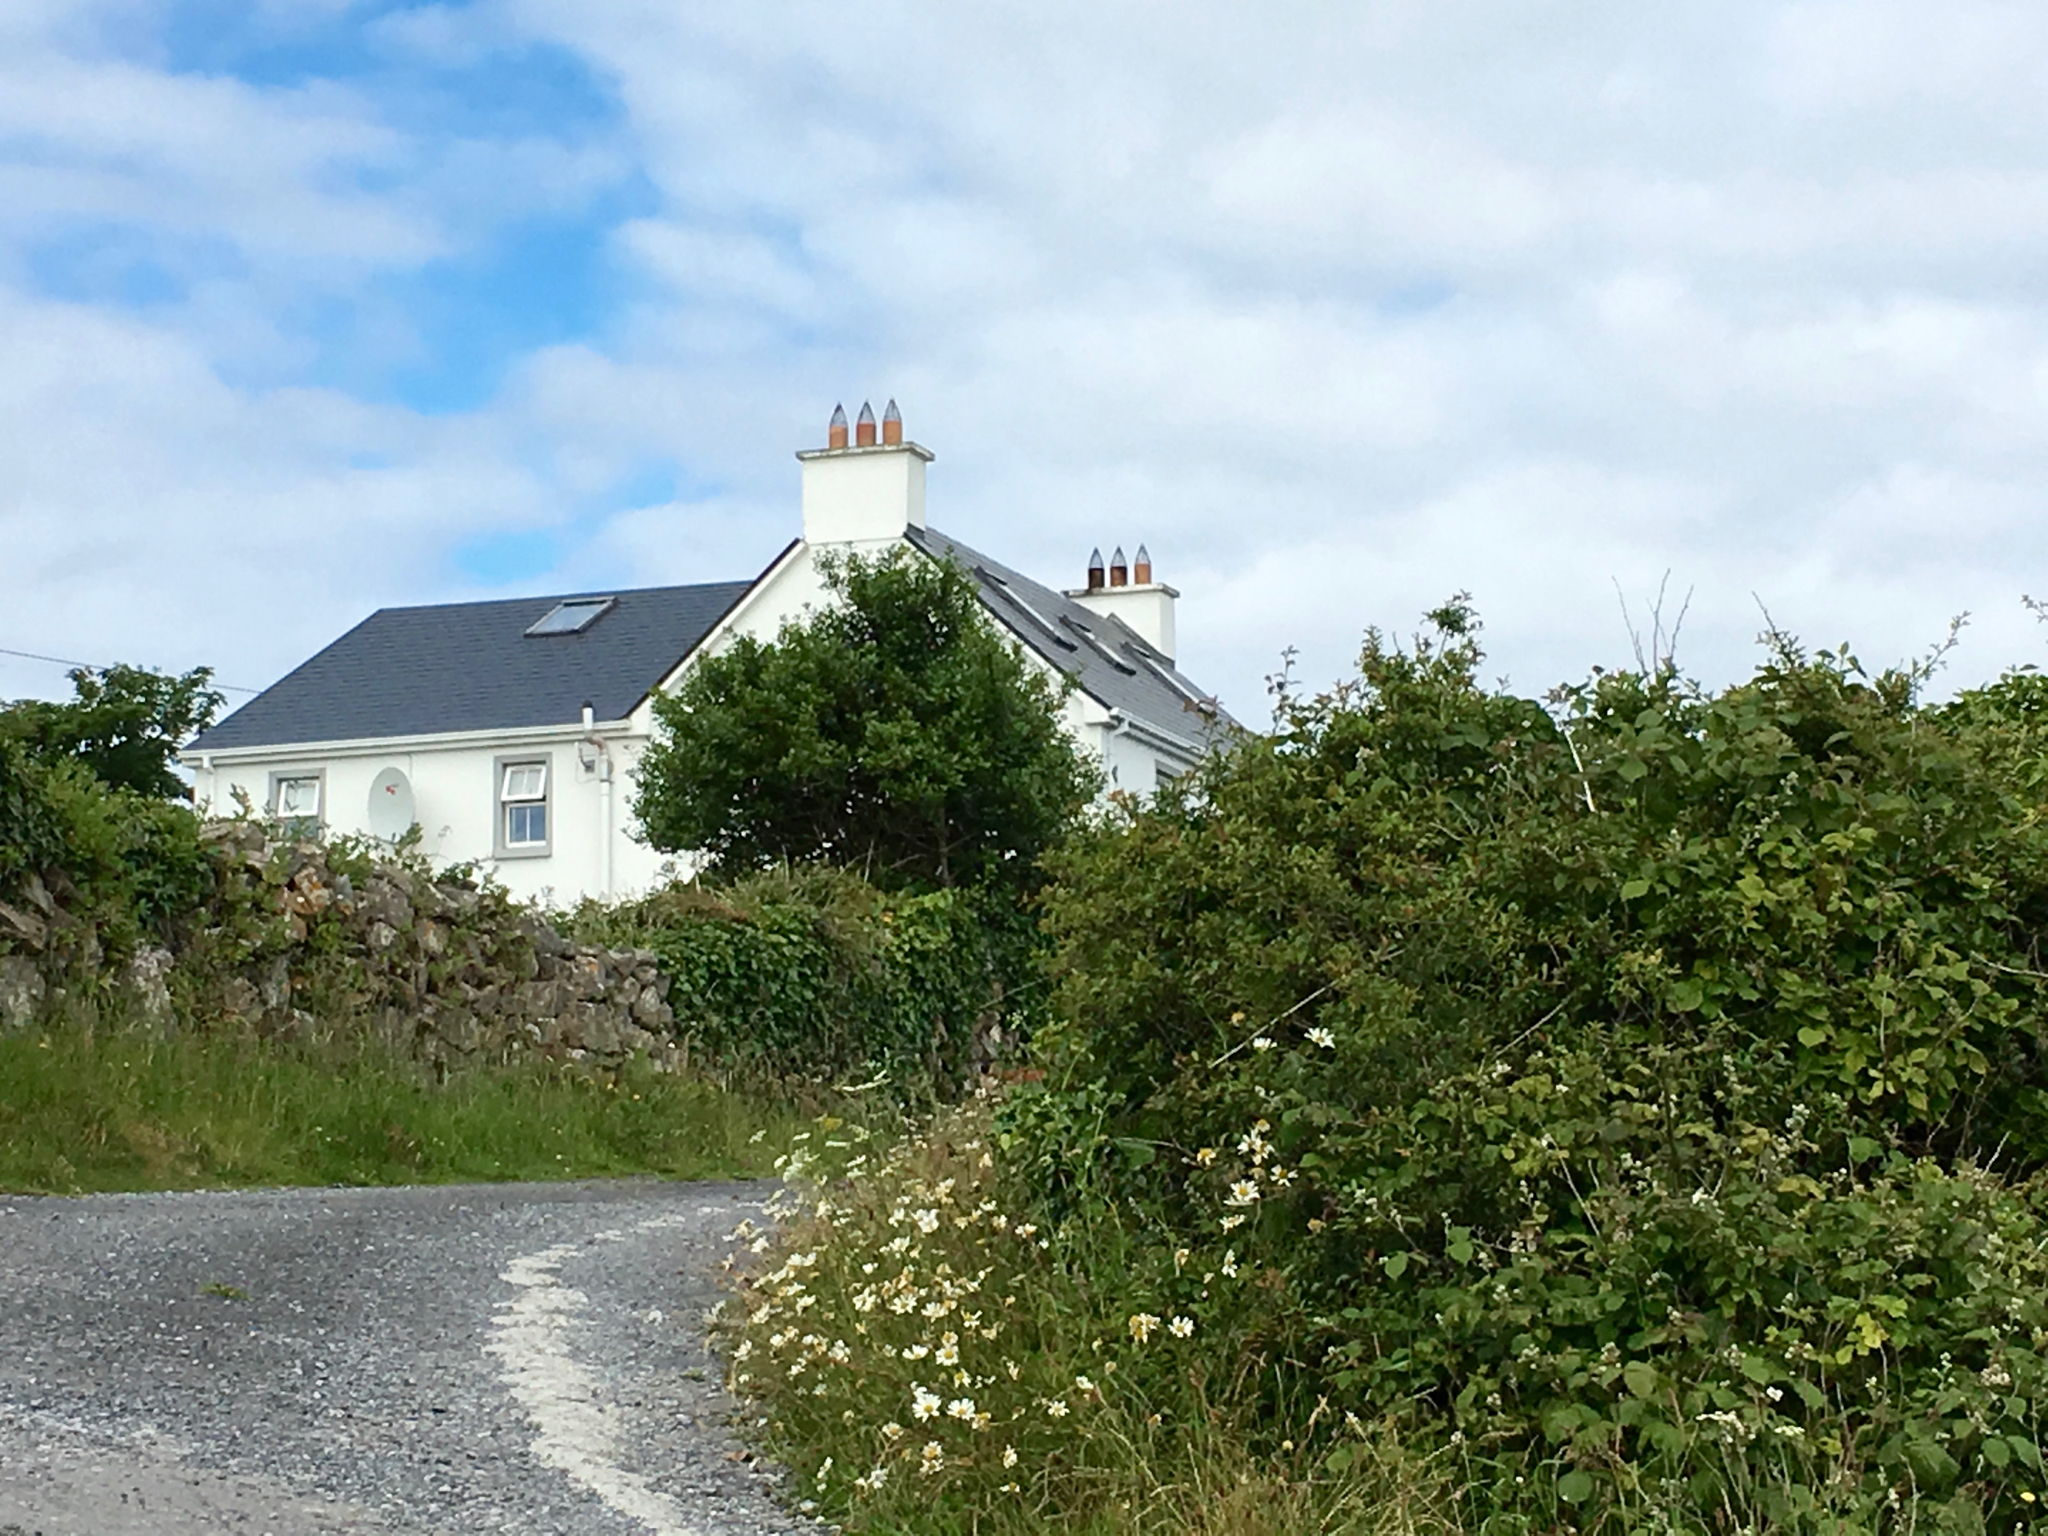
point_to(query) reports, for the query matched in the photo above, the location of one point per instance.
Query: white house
(509, 731)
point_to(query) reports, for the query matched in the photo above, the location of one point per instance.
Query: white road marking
(531, 1338)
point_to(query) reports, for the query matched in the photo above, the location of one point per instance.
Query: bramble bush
(1636, 1095)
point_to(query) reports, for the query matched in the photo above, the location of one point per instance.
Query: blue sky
(311, 306)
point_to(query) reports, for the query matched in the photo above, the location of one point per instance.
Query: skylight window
(571, 617)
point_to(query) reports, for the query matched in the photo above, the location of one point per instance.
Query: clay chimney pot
(1141, 568)
(892, 425)
(864, 427)
(1119, 572)
(835, 434)
(1095, 578)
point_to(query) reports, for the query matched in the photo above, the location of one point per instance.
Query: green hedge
(812, 973)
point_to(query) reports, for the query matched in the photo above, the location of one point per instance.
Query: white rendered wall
(455, 802)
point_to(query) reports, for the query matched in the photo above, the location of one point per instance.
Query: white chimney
(866, 492)
(1144, 604)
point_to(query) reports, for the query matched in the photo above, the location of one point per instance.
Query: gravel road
(481, 1358)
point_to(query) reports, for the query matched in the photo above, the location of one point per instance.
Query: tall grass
(88, 1108)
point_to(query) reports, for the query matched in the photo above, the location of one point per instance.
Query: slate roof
(471, 667)
(1107, 659)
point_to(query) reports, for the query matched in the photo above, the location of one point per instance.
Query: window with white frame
(523, 807)
(295, 797)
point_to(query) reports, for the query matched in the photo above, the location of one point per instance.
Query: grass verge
(927, 1361)
(85, 1109)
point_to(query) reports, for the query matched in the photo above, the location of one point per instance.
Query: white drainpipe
(604, 790)
(601, 763)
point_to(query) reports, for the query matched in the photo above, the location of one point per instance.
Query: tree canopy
(125, 725)
(894, 730)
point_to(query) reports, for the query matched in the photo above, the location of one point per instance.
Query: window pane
(526, 781)
(525, 825)
(298, 797)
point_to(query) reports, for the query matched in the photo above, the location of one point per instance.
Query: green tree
(125, 725)
(894, 731)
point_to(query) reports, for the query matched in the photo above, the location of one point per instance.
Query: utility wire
(59, 661)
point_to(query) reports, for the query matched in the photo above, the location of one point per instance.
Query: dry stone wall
(305, 938)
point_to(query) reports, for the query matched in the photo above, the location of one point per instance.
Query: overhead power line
(59, 661)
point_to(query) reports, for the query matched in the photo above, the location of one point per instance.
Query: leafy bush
(99, 854)
(812, 973)
(1608, 1092)
(126, 865)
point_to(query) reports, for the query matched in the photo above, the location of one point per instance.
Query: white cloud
(1365, 178)
(1339, 308)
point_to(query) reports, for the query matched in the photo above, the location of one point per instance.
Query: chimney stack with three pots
(1128, 592)
(864, 491)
